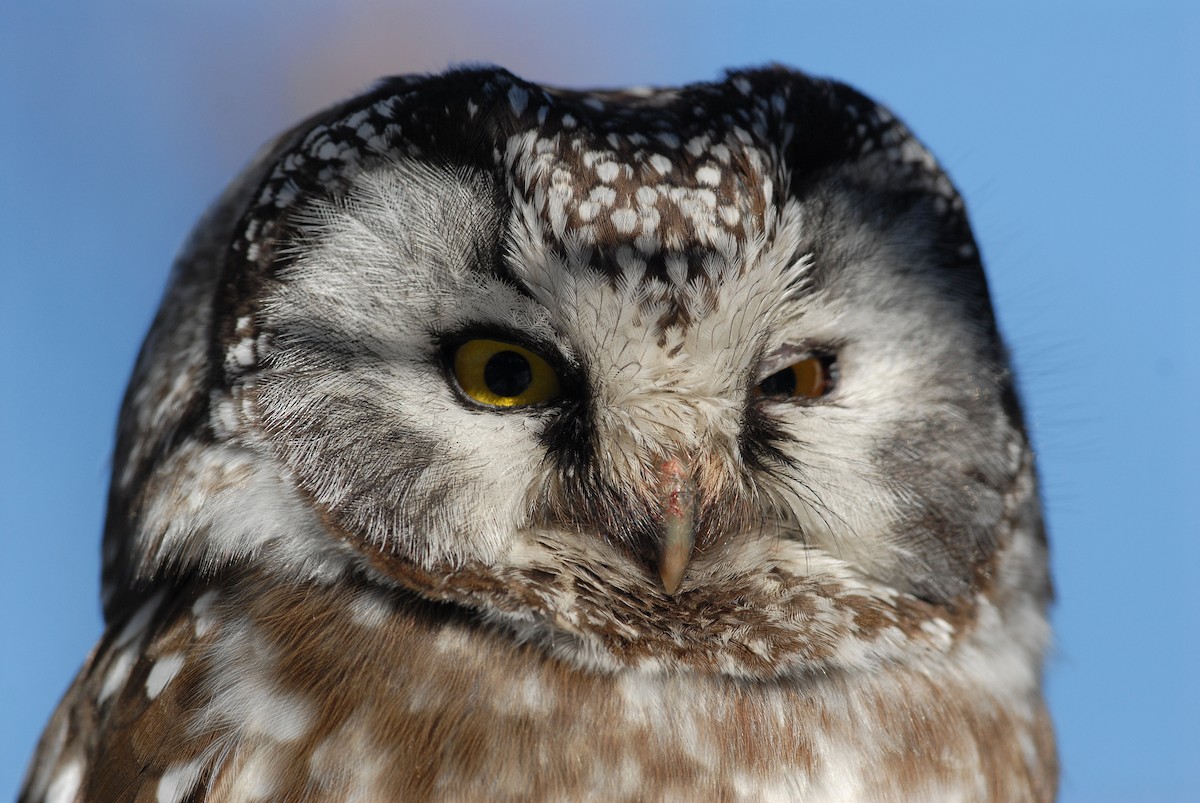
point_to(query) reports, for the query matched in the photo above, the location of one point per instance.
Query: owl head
(711, 370)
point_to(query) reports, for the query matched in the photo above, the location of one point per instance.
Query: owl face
(496, 440)
(703, 349)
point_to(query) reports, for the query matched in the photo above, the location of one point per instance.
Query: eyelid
(781, 358)
(551, 351)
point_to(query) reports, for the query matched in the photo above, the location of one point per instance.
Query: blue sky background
(1074, 133)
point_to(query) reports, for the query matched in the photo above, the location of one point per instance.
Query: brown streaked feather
(416, 700)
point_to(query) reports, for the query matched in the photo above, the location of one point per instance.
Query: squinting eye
(502, 374)
(806, 379)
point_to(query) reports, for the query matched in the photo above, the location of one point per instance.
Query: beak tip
(671, 569)
(670, 584)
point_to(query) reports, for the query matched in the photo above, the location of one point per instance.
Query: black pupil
(507, 374)
(780, 383)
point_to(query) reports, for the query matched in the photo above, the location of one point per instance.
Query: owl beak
(677, 492)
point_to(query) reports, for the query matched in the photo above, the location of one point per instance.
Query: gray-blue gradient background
(1072, 131)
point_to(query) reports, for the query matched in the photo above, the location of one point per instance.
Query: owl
(504, 442)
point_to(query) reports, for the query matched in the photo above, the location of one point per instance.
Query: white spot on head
(366, 132)
(588, 211)
(607, 171)
(163, 672)
(708, 175)
(243, 353)
(697, 145)
(605, 196)
(660, 163)
(66, 783)
(624, 220)
(646, 196)
(517, 98)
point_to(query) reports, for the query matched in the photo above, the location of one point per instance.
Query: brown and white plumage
(335, 569)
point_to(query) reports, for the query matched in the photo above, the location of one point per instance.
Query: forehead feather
(662, 188)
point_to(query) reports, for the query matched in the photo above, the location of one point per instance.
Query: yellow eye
(807, 379)
(502, 374)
